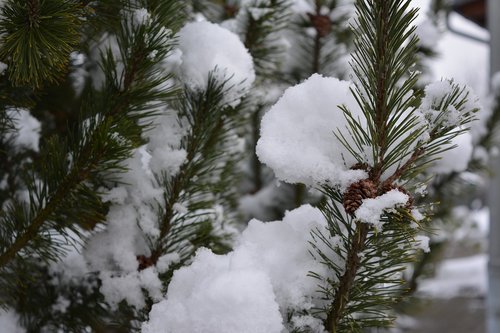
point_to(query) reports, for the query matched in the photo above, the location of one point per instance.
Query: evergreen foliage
(92, 235)
(204, 179)
(37, 37)
(364, 288)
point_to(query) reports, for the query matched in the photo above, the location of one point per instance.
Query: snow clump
(445, 103)
(456, 159)
(422, 243)
(27, 133)
(132, 217)
(298, 134)
(250, 289)
(371, 210)
(444, 106)
(208, 48)
(9, 322)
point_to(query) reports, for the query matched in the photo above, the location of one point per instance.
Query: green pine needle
(37, 38)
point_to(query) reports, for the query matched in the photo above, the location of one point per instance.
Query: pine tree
(128, 126)
(69, 194)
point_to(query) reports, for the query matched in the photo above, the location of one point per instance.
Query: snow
(308, 324)
(456, 277)
(417, 215)
(61, 305)
(27, 133)
(371, 209)
(165, 144)
(177, 207)
(3, 66)
(434, 101)
(250, 289)
(116, 195)
(435, 115)
(208, 48)
(129, 287)
(456, 159)
(210, 297)
(428, 34)
(117, 245)
(118, 288)
(141, 16)
(282, 249)
(9, 322)
(165, 261)
(113, 251)
(133, 215)
(297, 138)
(302, 6)
(258, 13)
(423, 243)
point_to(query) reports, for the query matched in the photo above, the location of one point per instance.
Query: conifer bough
(37, 38)
(156, 155)
(388, 135)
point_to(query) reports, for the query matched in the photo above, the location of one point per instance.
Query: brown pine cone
(230, 10)
(144, 262)
(321, 23)
(356, 192)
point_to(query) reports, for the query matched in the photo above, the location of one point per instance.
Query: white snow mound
(250, 289)
(297, 134)
(207, 47)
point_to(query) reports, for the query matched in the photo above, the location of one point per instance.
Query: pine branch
(261, 38)
(366, 266)
(403, 169)
(256, 165)
(321, 51)
(379, 62)
(341, 297)
(261, 34)
(198, 179)
(97, 151)
(401, 135)
(37, 38)
(322, 25)
(66, 186)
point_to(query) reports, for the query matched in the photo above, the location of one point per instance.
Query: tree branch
(75, 177)
(347, 280)
(381, 72)
(403, 168)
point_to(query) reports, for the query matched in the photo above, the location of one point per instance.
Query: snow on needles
(27, 134)
(298, 134)
(444, 105)
(250, 289)
(9, 322)
(132, 216)
(371, 210)
(208, 48)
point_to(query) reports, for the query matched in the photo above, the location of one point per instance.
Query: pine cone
(360, 166)
(389, 187)
(144, 262)
(231, 10)
(321, 23)
(356, 192)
